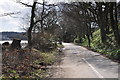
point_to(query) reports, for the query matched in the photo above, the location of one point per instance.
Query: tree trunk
(88, 37)
(114, 25)
(107, 29)
(42, 15)
(31, 25)
(16, 44)
(101, 23)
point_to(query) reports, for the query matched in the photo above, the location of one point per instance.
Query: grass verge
(109, 49)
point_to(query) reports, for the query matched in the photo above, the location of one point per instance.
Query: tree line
(81, 19)
(67, 21)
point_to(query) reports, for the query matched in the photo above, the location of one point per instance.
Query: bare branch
(37, 22)
(9, 14)
(42, 18)
(25, 4)
(46, 4)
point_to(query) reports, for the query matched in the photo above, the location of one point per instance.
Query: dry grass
(23, 64)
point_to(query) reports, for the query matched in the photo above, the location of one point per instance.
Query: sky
(14, 22)
(8, 23)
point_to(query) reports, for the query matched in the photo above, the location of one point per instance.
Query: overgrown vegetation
(93, 24)
(31, 63)
(109, 49)
(19, 64)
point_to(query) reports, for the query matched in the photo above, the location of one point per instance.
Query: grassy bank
(25, 64)
(34, 66)
(109, 49)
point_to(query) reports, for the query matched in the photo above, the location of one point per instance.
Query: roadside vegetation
(43, 48)
(28, 64)
(94, 24)
(110, 49)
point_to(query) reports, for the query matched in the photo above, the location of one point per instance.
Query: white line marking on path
(97, 73)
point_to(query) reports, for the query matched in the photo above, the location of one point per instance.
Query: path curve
(80, 62)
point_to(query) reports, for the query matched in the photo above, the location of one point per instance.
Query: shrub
(44, 42)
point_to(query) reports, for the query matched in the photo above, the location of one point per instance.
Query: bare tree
(37, 19)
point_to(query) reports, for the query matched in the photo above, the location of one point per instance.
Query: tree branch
(25, 4)
(42, 18)
(9, 14)
(46, 4)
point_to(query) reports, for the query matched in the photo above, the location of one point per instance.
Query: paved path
(82, 63)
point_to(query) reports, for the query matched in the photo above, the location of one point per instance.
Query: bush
(78, 40)
(109, 48)
(21, 64)
(44, 42)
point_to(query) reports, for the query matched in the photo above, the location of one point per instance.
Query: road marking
(97, 73)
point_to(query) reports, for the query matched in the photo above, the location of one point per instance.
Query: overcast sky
(8, 23)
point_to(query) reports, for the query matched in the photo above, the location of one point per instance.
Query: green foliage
(46, 57)
(109, 48)
(39, 74)
(80, 41)
(29, 67)
(60, 46)
(76, 40)
(84, 43)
